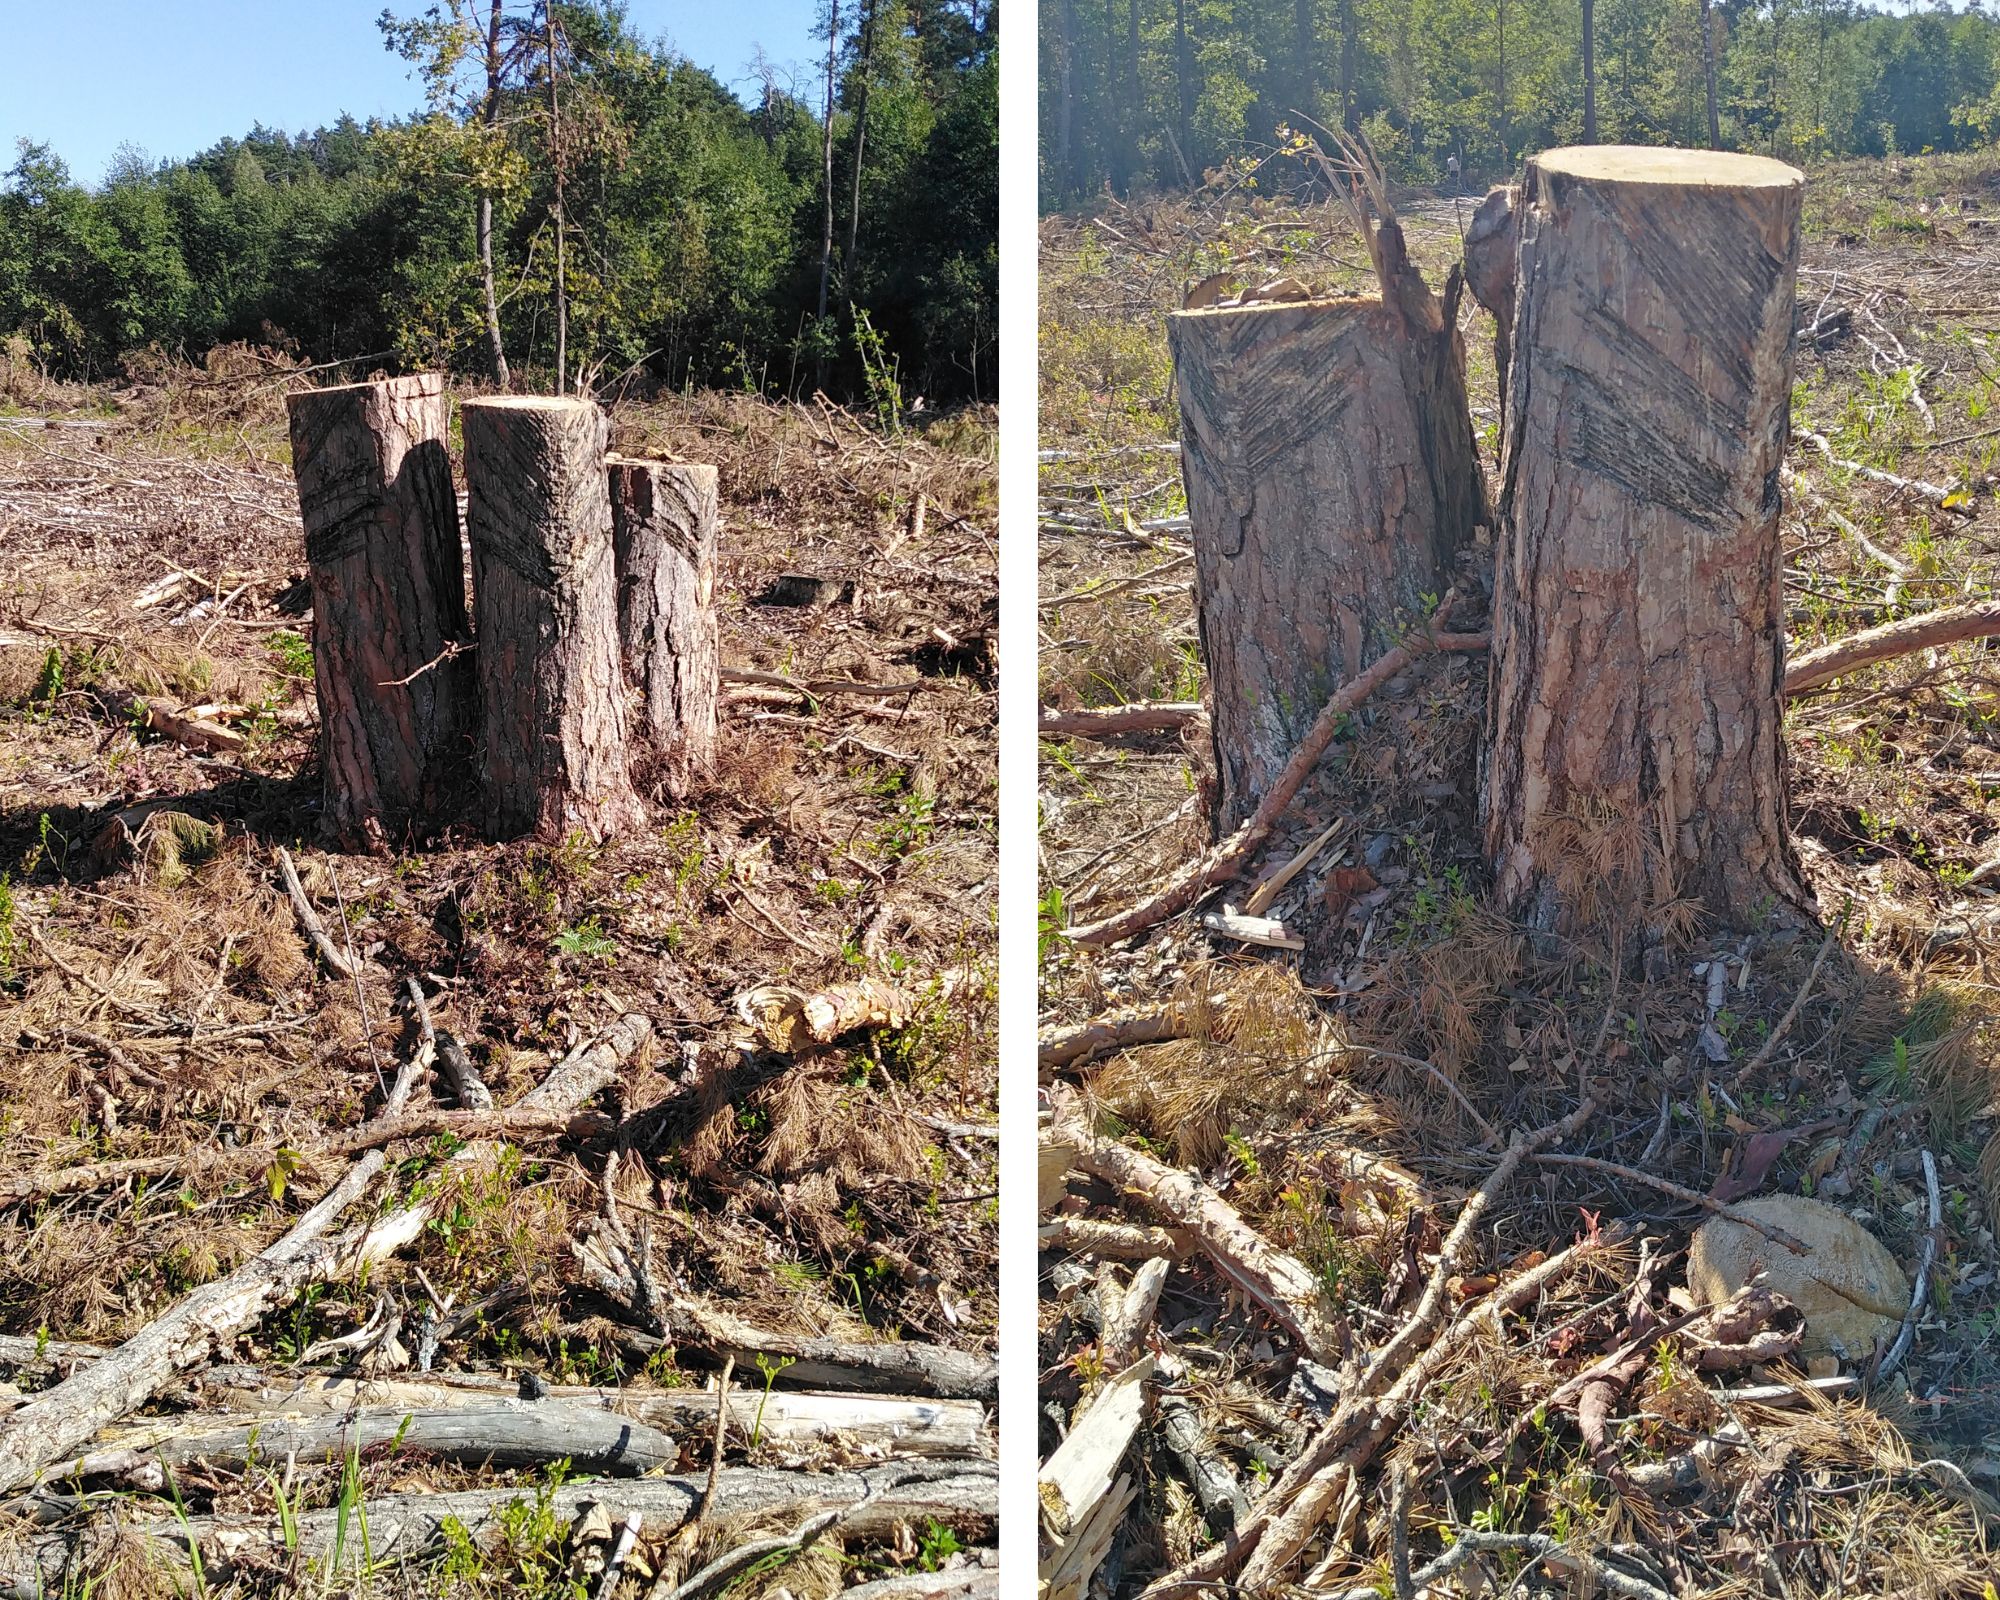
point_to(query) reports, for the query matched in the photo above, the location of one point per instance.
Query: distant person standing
(1451, 172)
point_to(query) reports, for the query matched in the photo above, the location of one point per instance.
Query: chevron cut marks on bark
(552, 688)
(1633, 732)
(1331, 479)
(388, 583)
(664, 520)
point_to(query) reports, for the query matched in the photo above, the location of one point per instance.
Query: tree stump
(1331, 481)
(545, 598)
(1634, 757)
(663, 532)
(397, 711)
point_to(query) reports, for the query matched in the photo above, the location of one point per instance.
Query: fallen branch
(1065, 1047)
(958, 1494)
(515, 1124)
(1274, 1278)
(820, 688)
(54, 1424)
(1920, 1287)
(1142, 716)
(1681, 1192)
(1791, 1016)
(882, 1367)
(1084, 1236)
(1234, 853)
(194, 732)
(1947, 625)
(337, 960)
(1936, 493)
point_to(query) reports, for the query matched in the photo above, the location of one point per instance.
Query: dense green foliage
(693, 225)
(1154, 92)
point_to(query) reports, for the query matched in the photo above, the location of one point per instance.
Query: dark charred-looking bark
(663, 521)
(397, 712)
(546, 601)
(1331, 481)
(1633, 739)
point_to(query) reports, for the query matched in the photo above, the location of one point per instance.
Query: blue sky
(174, 76)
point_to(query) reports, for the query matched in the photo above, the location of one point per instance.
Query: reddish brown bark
(551, 686)
(1331, 481)
(664, 518)
(388, 582)
(1633, 740)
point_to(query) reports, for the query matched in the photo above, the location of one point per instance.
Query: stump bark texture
(396, 703)
(1633, 736)
(664, 517)
(552, 689)
(1331, 479)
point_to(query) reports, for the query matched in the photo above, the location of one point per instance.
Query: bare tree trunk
(556, 160)
(664, 518)
(1708, 73)
(551, 688)
(1331, 479)
(1590, 71)
(826, 163)
(1184, 86)
(1066, 98)
(1135, 112)
(381, 526)
(860, 145)
(1634, 730)
(1348, 30)
(489, 114)
(1500, 130)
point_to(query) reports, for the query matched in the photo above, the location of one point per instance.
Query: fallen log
(1085, 1236)
(1234, 853)
(962, 1495)
(790, 1020)
(1275, 1279)
(883, 1367)
(1140, 716)
(54, 1424)
(1066, 1047)
(493, 1431)
(1907, 635)
(958, 1583)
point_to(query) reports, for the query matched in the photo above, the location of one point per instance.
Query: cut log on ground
(496, 1431)
(56, 1423)
(197, 733)
(1276, 1280)
(664, 521)
(396, 706)
(962, 1495)
(1635, 716)
(552, 688)
(1332, 481)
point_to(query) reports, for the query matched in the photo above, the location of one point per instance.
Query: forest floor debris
(1554, 1407)
(183, 1078)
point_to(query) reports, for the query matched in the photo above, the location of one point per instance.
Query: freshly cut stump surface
(546, 601)
(664, 521)
(1848, 1287)
(1633, 738)
(1332, 481)
(397, 707)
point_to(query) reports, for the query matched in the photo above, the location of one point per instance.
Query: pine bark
(546, 601)
(664, 517)
(381, 535)
(1634, 755)
(1331, 480)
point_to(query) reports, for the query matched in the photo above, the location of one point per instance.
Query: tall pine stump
(396, 703)
(1634, 758)
(545, 598)
(1331, 481)
(664, 517)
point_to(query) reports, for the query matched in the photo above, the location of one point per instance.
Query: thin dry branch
(1138, 716)
(1234, 853)
(1906, 636)
(337, 960)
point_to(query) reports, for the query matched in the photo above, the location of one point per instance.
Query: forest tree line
(564, 185)
(1153, 93)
